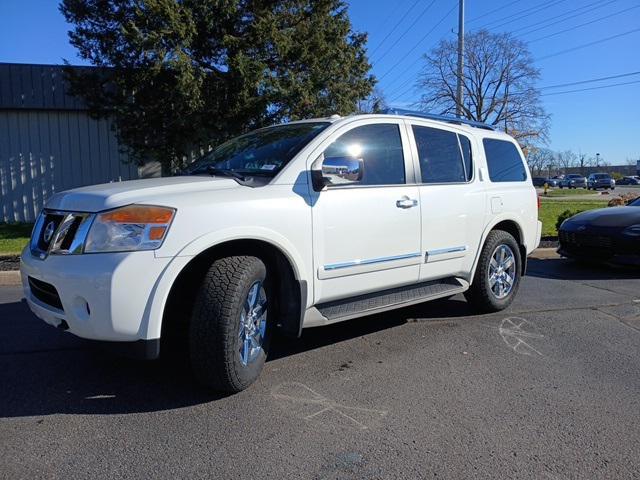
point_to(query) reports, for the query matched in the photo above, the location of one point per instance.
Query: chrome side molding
(369, 261)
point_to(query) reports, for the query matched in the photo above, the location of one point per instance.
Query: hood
(609, 217)
(153, 190)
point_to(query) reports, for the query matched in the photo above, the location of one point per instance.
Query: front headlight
(134, 227)
(633, 230)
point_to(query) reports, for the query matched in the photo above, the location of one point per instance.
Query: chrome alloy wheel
(253, 324)
(502, 271)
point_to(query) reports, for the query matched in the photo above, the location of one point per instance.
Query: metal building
(48, 142)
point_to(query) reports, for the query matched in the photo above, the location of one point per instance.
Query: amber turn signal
(139, 214)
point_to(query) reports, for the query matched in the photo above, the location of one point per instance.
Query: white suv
(291, 226)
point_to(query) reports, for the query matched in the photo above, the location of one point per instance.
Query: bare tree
(498, 84)
(567, 159)
(541, 161)
(374, 103)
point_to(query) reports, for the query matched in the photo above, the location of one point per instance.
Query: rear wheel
(229, 332)
(498, 273)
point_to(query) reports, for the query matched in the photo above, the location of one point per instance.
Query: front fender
(160, 294)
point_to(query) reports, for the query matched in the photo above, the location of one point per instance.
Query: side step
(371, 303)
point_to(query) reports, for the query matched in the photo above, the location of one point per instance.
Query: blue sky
(606, 121)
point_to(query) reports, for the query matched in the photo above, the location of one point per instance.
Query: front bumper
(113, 297)
(599, 245)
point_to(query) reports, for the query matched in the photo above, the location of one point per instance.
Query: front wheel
(230, 331)
(498, 273)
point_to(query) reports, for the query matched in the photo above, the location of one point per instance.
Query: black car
(604, 234)
(629, 181)
(540, 181)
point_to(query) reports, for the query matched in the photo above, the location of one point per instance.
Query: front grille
(586, 240)
(60, 233)
(50, 224)
(45, 292)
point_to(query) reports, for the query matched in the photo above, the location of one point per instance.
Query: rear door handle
(406, 202)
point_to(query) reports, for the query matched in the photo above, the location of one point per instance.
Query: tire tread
(214, 322)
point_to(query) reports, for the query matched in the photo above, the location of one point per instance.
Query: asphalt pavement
(549, 389)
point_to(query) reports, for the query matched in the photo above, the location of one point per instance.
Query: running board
(370, 303)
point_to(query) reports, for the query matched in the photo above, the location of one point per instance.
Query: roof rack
(433, 116)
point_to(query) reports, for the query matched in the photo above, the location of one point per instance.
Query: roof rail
(433, 116)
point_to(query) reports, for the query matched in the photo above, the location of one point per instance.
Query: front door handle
(406, 202)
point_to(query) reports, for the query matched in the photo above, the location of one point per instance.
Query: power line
(492, 11)
(401, 87)
(600, 87)
(417, 44)
(583, 24)
(519, 15)
(578, 47)
(394, 27)
(517, 19)
(562, 85)
(581, 82)
(591, 88)
(406, 30)
(598, 4)
(391, 14)
(409, 90)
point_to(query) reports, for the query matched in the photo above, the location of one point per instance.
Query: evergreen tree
(183, 74)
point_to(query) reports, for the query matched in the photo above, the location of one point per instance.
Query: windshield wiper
(225, 173)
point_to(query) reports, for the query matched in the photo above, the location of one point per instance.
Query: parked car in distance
(605, 234)
(291, 226)
(573, 181)
(553, 182)
(632, 180)
(600, 180)
(540, 181)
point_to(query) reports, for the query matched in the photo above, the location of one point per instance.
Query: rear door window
(504, 161)
(445, 157)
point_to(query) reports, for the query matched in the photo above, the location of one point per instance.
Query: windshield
(262, 152)
(635, 203)
(573, 176)
(601, 176)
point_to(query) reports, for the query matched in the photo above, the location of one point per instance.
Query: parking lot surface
(549, 388)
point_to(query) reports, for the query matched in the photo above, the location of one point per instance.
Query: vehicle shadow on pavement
(44, 371)
(565, 269)
(313, 338)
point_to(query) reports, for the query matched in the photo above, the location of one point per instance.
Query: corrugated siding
(35, 87)
(48, 142)
(43, 152)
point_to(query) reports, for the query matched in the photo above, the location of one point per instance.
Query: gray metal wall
(48, 142)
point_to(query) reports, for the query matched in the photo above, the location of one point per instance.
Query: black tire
(480, 296)
(214, 330)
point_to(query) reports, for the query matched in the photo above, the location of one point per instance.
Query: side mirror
(336, 171)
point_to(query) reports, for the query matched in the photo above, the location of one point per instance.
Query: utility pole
(460, 58)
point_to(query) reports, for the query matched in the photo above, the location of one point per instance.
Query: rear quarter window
(504, 161)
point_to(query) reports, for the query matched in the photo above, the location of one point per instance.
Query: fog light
(81, 309)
